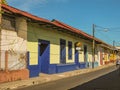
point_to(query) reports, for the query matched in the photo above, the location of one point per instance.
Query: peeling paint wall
(14, 41)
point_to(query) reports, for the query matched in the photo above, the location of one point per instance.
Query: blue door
(44, 55)
(62, 51)
(76, 56)
(86, 56)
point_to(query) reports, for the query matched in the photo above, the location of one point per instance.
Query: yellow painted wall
(113, 57)
(36, 32)
(81, 57)
(33, 47)
(90, 53)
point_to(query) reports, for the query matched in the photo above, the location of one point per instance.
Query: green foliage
(4, 2)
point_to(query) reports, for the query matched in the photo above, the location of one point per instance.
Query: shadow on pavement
(110, 81)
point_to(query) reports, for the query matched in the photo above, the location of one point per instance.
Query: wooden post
(6, 61)
(0, 30)
(28, 59)
(0, 11)
(0, 15)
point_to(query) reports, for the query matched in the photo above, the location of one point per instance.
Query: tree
(4, 1)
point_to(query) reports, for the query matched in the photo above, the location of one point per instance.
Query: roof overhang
(50, 24)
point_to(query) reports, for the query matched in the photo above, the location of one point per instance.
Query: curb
(48, 78)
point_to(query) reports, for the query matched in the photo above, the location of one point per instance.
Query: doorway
(85, 55)
(43, 55)
(62, 51)
(101, 56)
(76, 56)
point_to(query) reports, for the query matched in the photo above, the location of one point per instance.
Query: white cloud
(31, 3)
(63, 1)
(26, 4)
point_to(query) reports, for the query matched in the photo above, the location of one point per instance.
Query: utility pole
(93, 48)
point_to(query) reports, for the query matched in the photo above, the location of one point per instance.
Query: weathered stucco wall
(14, 41)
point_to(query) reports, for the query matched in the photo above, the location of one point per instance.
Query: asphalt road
(110, 81)
(106, 78)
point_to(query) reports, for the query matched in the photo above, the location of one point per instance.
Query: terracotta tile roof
(26, 14)
(54, 22)
(61, 24)
(71, 28)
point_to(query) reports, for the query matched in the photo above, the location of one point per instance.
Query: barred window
(8, 22)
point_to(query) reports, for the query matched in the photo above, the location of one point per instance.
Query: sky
(81, 14)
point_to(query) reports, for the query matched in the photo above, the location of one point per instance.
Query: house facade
(13, 47)
(54, 51)
(33, 45)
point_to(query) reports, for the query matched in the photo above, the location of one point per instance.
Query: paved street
(110, 81)
(72, 82)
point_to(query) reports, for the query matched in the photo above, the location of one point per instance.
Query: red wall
(14, 75)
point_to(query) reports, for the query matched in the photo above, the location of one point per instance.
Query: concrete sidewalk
(43, 78)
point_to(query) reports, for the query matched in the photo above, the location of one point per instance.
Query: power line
(96, 26)
(104, 36)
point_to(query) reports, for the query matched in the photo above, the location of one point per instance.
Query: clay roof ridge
(24, 13)
(72, 28)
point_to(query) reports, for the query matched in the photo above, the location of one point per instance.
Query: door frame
(40, 61)
(86, 55)
(62, 57)
(76, 55)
